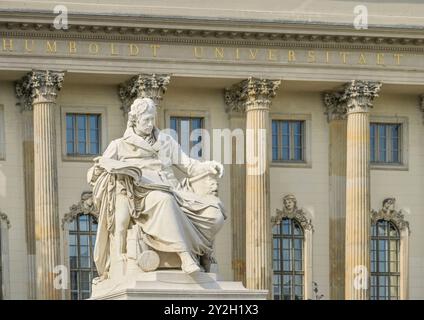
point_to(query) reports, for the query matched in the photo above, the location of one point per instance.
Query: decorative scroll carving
(5, 218)
(358, 95)
(291, 211)
(251, 93)
(84, 206)
(151, 86)
(334, 108)
(38, 85)
(388, 213)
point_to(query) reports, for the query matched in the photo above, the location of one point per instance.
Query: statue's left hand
(216, 168)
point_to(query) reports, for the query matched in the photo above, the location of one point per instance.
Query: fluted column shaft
(358, 97)
(258, 228)
(254, 97)
(238, 203)
(28, 155)
(337, 207)
(358, 206)
(38, 89)
(46, 199)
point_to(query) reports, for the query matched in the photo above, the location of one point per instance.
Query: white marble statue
(134, 187)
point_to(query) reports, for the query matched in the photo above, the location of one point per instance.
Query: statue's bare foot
(188, 264)
(103, 277)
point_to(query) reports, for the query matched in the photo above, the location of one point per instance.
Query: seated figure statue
(134, 186)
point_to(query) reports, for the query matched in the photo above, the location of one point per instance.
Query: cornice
(225, 35)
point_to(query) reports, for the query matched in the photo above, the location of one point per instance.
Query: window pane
(81, 243)
(384, 261)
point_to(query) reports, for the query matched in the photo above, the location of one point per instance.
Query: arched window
(82, 236)
(288, 263)
(385, 268)
(81, 224)
(389, 253)
(292, 252)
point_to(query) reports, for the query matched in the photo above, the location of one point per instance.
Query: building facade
(319, 126)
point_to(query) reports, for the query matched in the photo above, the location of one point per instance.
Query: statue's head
(389, 204)
(289, 202)
(142, 116)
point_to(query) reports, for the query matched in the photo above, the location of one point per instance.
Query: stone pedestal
(173, 285)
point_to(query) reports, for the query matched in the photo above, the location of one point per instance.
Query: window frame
(78, 269)
(2, 133)
(389, 273)
(292, 273)
(192, 113)
(103, 134)
(307, 152)
(403, 143)
(191, 143)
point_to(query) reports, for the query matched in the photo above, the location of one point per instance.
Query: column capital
(359, 95)
(38, 86)
(151, 86)
(252, 93)
(334, 108)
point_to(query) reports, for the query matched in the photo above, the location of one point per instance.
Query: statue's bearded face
(145, 123)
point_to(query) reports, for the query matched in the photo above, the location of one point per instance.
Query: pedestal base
(173, 285)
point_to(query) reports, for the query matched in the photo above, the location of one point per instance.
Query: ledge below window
(389, 167)
(290, 164)
(76, 158)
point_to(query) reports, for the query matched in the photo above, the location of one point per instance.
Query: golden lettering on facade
(72, 47)
(362, 59)
(291, 56)
(219, 53)
(253, 54)
(7, 44)
(397, 56)
(155, 48)
(93, 48)
(134, 50)
(380, 58)
(344, 55)
(51, 47)
(237, 54)
(113, 50)
(198, 52)
(311, 56)
(272, 54)
(27, 47)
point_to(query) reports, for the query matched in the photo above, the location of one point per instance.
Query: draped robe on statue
(172, 218)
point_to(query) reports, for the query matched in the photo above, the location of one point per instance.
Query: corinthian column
(237, 119)
(255, 95)
(358, 97)
(336, 115)
(28, 155)
(40, 90)
(151, 86)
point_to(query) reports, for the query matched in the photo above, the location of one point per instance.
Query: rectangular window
(82, 134)
(2, 133)
(385, 143)
(288, 140)
(188, 135)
